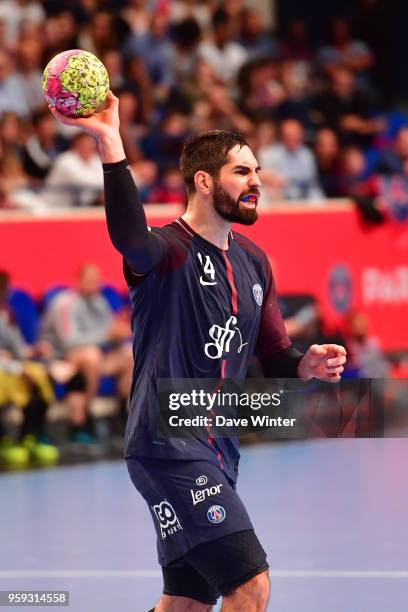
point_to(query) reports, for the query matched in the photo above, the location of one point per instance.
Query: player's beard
(231, 209)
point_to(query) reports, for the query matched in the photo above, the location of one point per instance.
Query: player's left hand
(323, 361)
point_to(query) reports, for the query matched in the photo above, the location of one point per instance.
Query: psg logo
(258, 294)
(216, 514)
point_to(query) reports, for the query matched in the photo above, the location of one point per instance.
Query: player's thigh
(191, 503)
(235, 561)
(186, 583)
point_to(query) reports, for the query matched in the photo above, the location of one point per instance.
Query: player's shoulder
(175, 242)
(174, 235)
(173, 230)
(250, 247)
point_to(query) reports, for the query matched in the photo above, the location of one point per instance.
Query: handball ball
(75, 82)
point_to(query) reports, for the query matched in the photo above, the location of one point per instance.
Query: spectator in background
(220, 110)
(76, 177)
(295, 45)
(365, 356)
(353, 181)
(253, 37)
(293, 162)
(113, 62)
(60, 33)
(371, 22)
(327, 154)
(260, 92)
(79, 327)
(264, 135)
(224, 54)
(302, 319)
(63, 32)
(136, 15)
(145, 173)
(234, 10)
(170, 189)
(346, 109)
(12, 93)
(153, 48)
(15, 184)
(100, 36)
(14, 13)
(297, 103)
(27, 384)
(131, 124)
(29, 56)
(394, 160)
(393, 193)
(137, 81)
(186, 36)
(12, 343)
(42, 146)
(12, 133)
(199, 11)
(164, 145)
(344, 52)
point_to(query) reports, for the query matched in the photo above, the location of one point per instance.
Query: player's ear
(203, 182)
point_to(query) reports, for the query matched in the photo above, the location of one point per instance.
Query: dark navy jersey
(202, 312)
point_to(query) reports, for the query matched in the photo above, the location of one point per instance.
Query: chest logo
(208, 278)
(222, 337)
(258, 293)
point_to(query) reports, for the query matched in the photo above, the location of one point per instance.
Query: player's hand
(323, 361)
(101, 124)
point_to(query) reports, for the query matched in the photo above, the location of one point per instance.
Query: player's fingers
(336, 348)
(333, 379)
(317, 350)
(112, 99)
(336, 361)
(337, 370)
(76, 121)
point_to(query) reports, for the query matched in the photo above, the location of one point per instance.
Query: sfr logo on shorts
(168, 521)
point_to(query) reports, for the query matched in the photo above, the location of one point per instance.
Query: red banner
(327, 252)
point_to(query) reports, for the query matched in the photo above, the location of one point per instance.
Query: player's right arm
(125, 214)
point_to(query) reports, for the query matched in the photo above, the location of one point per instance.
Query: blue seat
(26, 313)
(50, 294)
(113, 296)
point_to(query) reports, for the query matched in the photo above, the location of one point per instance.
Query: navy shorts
(191, 502)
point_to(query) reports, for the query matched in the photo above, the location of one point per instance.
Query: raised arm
(124, 210)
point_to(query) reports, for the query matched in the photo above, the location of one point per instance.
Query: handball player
(204, 301)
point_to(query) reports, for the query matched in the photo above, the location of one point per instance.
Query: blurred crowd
(318, 117)
(71, 347)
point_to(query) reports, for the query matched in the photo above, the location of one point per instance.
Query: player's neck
(209, 225)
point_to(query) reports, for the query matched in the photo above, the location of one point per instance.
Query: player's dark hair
(207, 152)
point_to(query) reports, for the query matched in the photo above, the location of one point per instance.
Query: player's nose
(255, 181)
